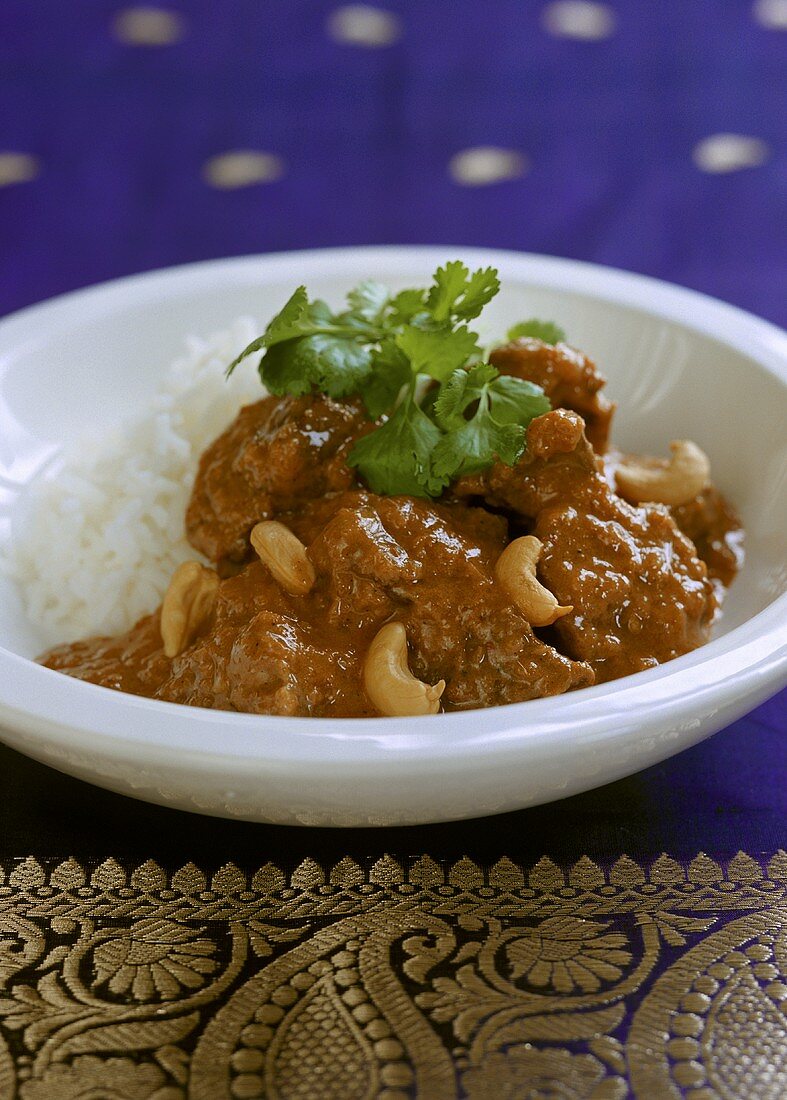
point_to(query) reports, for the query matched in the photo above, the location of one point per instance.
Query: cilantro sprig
(504, 406)
(419, 370)
(546, 331)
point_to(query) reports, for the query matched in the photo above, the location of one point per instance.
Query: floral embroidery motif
(569, 953)
(153, 958)
(394, 980)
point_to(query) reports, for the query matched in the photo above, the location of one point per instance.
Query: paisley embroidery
(718, 1020)
(394, 980)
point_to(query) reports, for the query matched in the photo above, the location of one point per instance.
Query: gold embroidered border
(394, 980)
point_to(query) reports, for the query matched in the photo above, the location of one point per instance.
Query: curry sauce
(636, 584)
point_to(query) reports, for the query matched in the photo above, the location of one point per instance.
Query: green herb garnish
(418, 367)
(546, 331)
(503, 407)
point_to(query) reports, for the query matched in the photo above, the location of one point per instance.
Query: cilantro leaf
(390, 371)
(396, 458)
(458, 294)
(460, 390)
(290, 320)
(406, 304)
(476, 443)
(449, 284)
(436, 350)
(299, 318)
(379, 347)
(497, 427)
(334, 364)
(515, 401)
(318, 315)
(286, 320)
(428, 398)
(282, 372)
(481, 288)
(368, 300)
(547, 331)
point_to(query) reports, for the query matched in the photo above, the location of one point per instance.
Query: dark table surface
(725, 794)
(644, 136)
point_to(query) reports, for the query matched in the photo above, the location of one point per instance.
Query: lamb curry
(313, 593)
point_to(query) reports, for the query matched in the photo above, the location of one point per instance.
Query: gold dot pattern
(18, 168)
(242, 168)
(364, 25)
(580, 19)
(722, 153)
(771, 14)
(147, 26)
(485, 164)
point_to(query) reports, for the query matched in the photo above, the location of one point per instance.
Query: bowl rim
(747, 663)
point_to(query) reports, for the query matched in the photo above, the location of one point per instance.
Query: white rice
(98, 538)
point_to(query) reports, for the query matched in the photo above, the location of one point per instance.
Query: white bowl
(679, 365)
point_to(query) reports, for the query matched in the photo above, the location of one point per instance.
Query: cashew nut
(188, 604)
(677, 482)
(285, 556)
(388, 681)
(515, 570)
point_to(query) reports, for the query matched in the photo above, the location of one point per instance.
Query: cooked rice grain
(96, 540)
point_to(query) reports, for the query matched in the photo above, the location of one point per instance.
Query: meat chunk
(276, 454)
(377, 560)
(639, 592)
(557, 460)
(569, 379)
(716, 531)
(640, 595)
(430, 568)
(708, 520)
(284, 665)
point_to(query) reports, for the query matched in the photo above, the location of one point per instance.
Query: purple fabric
(366, 134)
(120, 135)
(608, 127)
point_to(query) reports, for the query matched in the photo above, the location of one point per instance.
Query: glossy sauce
(642, 591)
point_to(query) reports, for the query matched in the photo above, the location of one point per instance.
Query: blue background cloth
(650, 138)
(121, 134)
(608, 133)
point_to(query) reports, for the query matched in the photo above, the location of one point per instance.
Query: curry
(570, 566)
